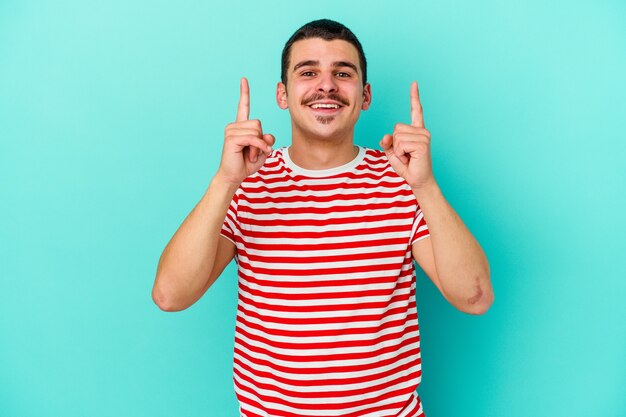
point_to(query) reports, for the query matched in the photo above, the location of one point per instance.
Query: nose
(327, 83)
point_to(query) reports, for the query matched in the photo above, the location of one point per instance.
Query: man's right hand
(245, 145)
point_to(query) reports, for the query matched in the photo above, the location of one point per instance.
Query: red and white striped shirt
(326, 320)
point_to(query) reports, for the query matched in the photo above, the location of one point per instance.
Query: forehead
(326, 52)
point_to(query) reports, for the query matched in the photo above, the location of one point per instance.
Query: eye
(343, 74)
(308, 74)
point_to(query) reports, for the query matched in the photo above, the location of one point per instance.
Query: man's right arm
(197, 254)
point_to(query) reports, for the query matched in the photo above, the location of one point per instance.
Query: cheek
(295, 96)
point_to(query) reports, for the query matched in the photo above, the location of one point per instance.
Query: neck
(315, 154)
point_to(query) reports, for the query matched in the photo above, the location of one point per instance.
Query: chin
(331, 133)
(325, 120)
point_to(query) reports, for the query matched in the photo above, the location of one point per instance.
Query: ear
(281, 95)
(367, 97)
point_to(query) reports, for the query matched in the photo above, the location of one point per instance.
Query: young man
(324, 233)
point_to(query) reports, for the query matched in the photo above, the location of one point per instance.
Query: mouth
(326, 108)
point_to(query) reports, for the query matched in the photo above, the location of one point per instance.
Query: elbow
(164, 301)
(479, 300)
(478, 309)
(161, 300)
(479, 303)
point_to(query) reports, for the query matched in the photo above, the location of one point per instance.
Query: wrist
(426, 190)
(222, 184)
(224, 179)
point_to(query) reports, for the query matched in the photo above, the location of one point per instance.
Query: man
(324, 233)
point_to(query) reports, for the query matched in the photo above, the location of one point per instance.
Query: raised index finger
(243, 110)
(417, 116)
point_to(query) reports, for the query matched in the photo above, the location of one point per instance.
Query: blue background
(111, 124)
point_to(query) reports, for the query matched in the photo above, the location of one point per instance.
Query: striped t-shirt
(326, 319)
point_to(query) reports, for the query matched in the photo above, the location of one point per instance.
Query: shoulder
(273, 162)
(374, 153)
(376, 160)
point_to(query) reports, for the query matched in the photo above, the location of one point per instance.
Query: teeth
(325, 106)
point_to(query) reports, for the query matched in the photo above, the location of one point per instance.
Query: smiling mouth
(324, 106)
(325, 109)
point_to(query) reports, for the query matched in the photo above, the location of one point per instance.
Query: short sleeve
(420, 228)
(229, 227)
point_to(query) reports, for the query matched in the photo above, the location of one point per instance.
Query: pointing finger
(243, 111)
(417, 116)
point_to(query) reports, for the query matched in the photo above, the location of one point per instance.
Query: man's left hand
(408, 149)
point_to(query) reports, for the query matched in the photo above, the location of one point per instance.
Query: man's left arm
(450, 256)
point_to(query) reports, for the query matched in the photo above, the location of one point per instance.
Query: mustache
(319, 96)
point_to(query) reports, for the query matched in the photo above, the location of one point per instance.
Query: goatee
(325, 119)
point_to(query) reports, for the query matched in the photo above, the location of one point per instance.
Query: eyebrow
(313, 63)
